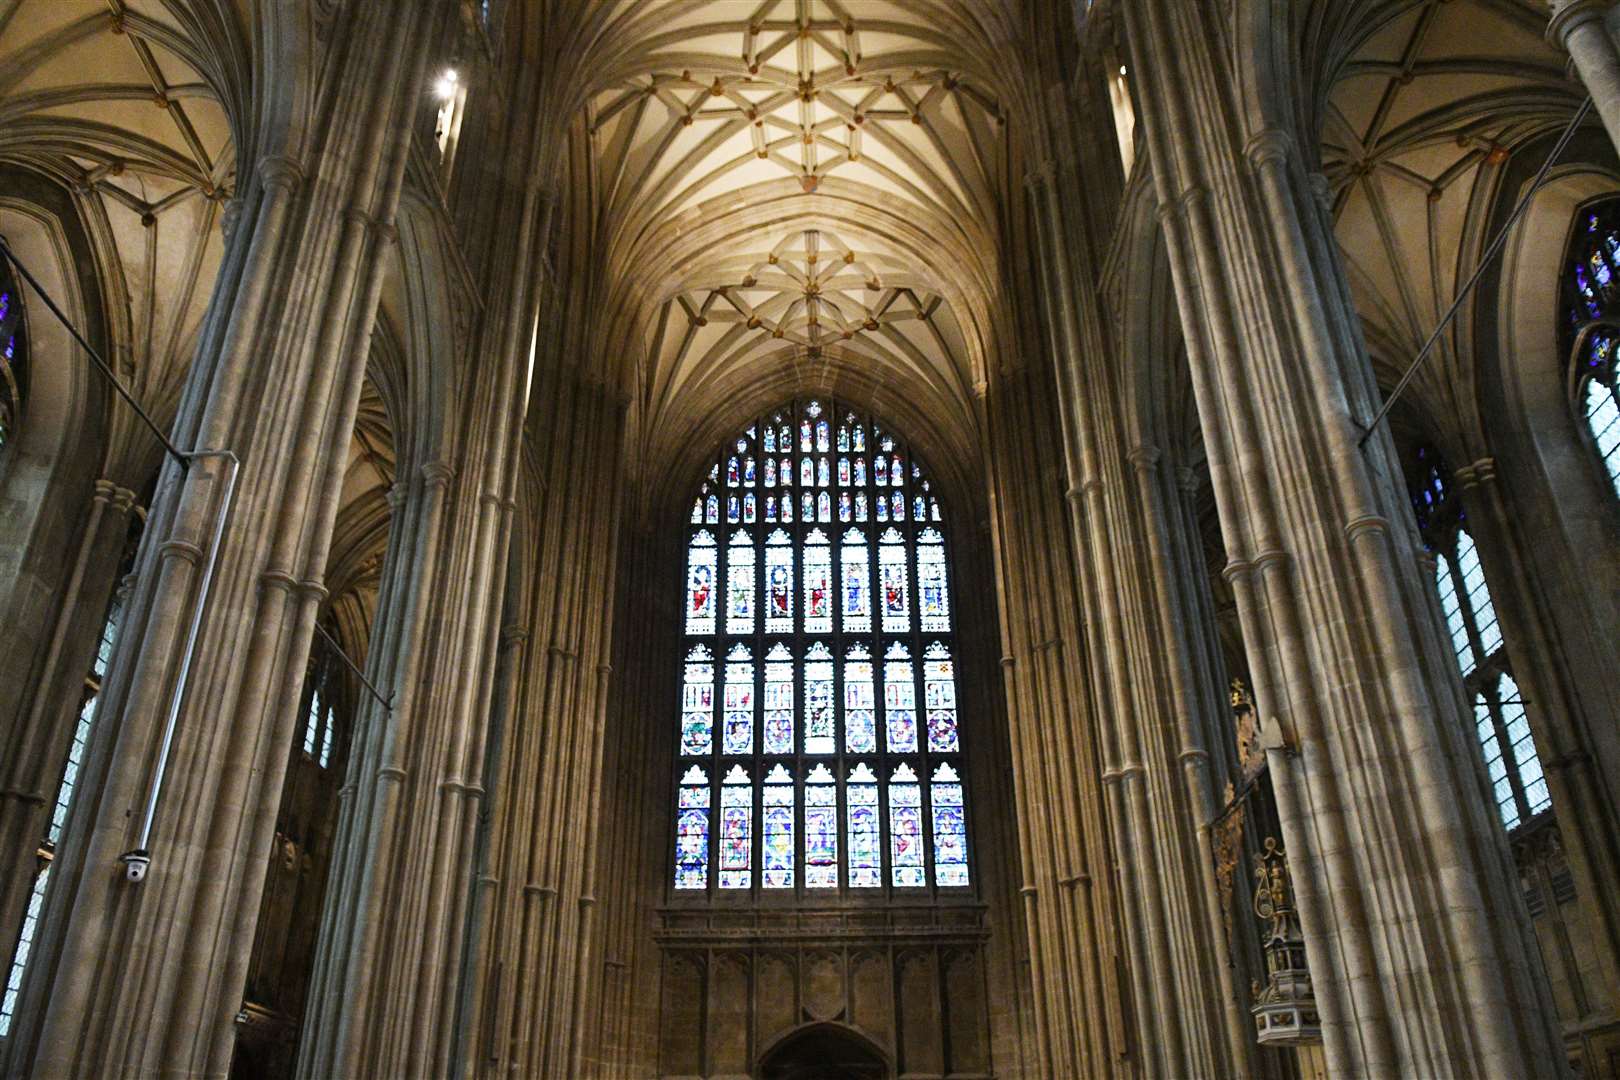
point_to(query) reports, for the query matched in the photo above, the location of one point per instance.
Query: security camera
(135, 864)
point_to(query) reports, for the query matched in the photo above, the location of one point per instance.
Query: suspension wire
(175, 452)
(386, 703)
(11, 257)
(1485, 261)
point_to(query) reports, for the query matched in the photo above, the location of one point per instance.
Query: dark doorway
(824, 1052)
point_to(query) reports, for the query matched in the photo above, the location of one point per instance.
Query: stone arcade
(809, 538)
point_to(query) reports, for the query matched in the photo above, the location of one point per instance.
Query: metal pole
(1479, 271)
(386, 702)
(136, 861)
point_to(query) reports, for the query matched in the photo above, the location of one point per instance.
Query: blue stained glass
(820, 830)
(777, 854)
(736, 830)
(739, 702)
(950, 829)
(899, 701)
(865, 858)
(779, 701)
(818, 700)
(760, 805)
(905, 829)
(697, 704)
(939, 699)
(857, 576)
(692, 832)
(860, 705)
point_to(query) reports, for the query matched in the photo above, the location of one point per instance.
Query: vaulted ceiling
(108, 98)
(805, 186)
(1431, 102)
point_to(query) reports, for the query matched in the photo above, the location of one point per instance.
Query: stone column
(145, 979)
(1413, 925)
(1585, 29)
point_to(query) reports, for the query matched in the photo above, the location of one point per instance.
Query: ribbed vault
(800, 194)
(1429, 102)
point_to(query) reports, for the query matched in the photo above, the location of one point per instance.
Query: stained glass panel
(779, 701)
(950, 828)
(860, 706)
(739, 701)
(905, 829)
(818, 701)
(697, 704)
(702, 562)
(933, 599)
(896, 599)
(777, 858)
(899, 701)
(865, 858)
(817, 583)
(740, 585)
(778, 584)
(692, 832)
(939, 699)
(857, 591)
(736, 830)
(820, 830)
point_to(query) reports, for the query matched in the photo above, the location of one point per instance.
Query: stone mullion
(1124, 771)
(1313, 568)
(43, 744)
(1024, 723)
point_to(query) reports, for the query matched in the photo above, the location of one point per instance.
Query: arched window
(13, 355)
(818, 747)
(1591, 304)
(1500, 723)
(66, 784)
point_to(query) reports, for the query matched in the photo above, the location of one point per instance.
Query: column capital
(281, 173)
(1476, 473)
(1144, 457)
(1570, 15)
(1270, 147)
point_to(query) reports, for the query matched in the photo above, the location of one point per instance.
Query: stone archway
(824, 1052)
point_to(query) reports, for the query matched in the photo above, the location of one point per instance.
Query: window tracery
(1591, 303)
(825, 773)
(1502, 727)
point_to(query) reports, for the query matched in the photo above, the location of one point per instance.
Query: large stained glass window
(818, 715)
(1591, 302)
(1500, 722)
